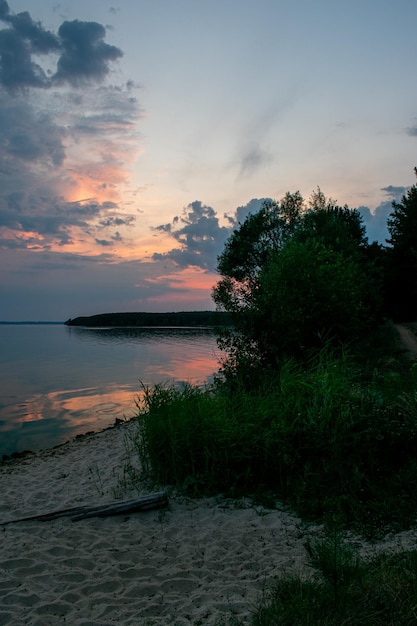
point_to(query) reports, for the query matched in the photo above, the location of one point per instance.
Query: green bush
(295, 276)
(314, 434)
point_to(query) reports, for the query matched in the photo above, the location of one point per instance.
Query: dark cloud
(45, 226)
(129, 220)
(52, 220)
(200, 236)
(17, 70)
(412, 131)
(59, 143)
(56, 143)
(85, 208)
(33, 176)
(117, 237)
(395, 193)
(41, 39)
(164, 228)
(79, 47)
(18, 43)
(27, 135)
(84, 55)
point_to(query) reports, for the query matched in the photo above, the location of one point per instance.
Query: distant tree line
(184, 318)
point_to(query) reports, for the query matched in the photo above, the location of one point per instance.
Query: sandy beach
(192, 562)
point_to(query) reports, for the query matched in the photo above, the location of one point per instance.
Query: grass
(383, 592)
(320, 435)
(334, 436)
(343, 589)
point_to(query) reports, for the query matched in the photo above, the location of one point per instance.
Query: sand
(195, 562)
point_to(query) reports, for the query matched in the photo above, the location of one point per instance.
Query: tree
(295, 276)
(309, 294)
(246, 252)
(401, 270)
(248, 248)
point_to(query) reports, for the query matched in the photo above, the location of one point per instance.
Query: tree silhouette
(401, 265)
(294, 277)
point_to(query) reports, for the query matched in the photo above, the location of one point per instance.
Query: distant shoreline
(30, 323)
(172, 319)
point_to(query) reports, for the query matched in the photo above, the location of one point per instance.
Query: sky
(135, 135)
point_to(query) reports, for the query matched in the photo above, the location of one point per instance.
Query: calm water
(59, 381)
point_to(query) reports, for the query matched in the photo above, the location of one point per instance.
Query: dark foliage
(184, 318)
(295, 277)
(401, 261)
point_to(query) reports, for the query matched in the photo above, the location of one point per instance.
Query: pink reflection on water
(195, 371)
(83, 406)
(95, 407)
(44, 413)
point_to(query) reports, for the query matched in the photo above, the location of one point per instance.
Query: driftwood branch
(144, 503)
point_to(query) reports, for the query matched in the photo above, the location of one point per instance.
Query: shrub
(314, 434)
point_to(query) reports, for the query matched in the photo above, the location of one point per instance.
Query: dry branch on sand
(144, 503)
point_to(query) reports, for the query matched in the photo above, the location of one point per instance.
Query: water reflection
(141, 334)
(64, 381)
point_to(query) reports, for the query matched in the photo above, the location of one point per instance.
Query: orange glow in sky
(189, 278)
(190, 285)
(136, 129)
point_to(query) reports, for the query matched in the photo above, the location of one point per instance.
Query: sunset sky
(136, 134)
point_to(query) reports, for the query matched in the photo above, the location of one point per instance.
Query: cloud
(252, 160)
(396, 193)
(254, 150)
(39, 39)
(40, 223)
(117, 221)
(200, 235)
(252, 207)
(104, 242)
(81, 54)
(85, 56)
(18, 43)
(27, 135)
(65, 153)
(376, 221)
(68, 138)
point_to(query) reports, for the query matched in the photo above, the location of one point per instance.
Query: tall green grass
(344, 589)
(318, 435)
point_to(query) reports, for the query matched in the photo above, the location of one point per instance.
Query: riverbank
(191, 563)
